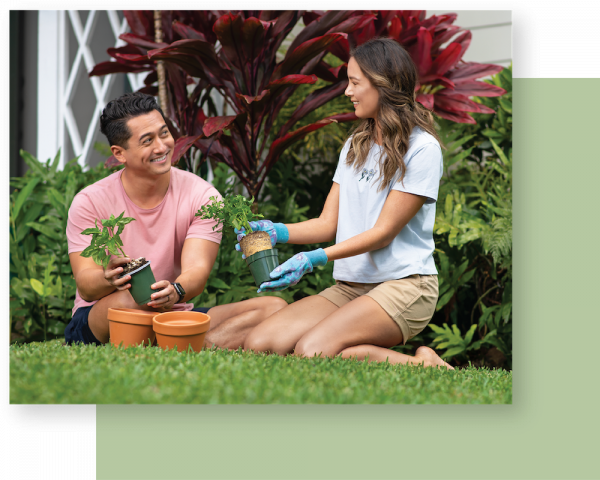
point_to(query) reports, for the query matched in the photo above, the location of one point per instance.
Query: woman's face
(361, 92)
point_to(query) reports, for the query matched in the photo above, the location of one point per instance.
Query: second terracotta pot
(181, 330)
(130, 327)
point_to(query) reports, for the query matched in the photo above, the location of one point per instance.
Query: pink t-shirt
(157, 233)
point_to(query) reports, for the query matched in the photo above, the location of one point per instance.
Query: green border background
(550, 430)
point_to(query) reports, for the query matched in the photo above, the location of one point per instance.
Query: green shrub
(42, 287)
(474, 233)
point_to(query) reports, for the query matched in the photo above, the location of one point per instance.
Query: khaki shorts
(409, 301)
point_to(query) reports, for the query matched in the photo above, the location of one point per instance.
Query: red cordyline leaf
(187, 32)
(216, 124)
(395, 29)
(141, 41)
(422, 56)
(228, 29)
(128, 57)
(425, 99)
(126, 49)
(353, 23)
(106, 68)
(471, 88)
(254, 36)
(196, 57)
(458, 117)
(459, 103)
(138, 21)
(319, 27)
(471, 71)
(305, 52)
(248, 99)
(447, 59)
(182, 145)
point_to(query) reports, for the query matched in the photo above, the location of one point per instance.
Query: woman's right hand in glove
(278, 232)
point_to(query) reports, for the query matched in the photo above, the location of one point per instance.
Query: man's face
(150, 147)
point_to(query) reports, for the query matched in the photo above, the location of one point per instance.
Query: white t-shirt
(411, 252)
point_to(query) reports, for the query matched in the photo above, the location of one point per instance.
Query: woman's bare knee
(259, 341)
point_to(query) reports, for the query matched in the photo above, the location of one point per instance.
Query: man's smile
(159, 159)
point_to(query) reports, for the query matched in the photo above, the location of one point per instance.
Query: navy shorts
(78, 329)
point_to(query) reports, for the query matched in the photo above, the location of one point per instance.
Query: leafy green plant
(39, 205)
(105, 241)
(473, 230)
(234, 211)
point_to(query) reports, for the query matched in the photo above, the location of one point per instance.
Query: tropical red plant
(446, 82)
(185, 112)
(245, 68)
(255, 84)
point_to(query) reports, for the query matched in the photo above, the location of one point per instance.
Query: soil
(133, 265)
(255, 242)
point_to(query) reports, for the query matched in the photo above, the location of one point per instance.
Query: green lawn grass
(48, 372)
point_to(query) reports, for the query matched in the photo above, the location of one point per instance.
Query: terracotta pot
(181, 330)
(130, 327)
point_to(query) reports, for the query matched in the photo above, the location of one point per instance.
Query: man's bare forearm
(92, 285)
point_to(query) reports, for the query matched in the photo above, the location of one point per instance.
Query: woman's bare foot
(428, 358)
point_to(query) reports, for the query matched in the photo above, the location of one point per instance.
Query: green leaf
(218, 283)
(37, 286)
(488, 132)
(55, 162)
(500, 153)
(444, 300)
(45, 230)
(452, 352)
(469, 335)
(58, 202)
(23, 196)
(505, 104)
(457, 158)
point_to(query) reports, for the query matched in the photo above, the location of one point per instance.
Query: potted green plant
(234, 211)
(106, 242)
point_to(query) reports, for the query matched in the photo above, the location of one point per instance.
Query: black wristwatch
(179, 289)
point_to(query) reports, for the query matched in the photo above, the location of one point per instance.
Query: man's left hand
(165, 297)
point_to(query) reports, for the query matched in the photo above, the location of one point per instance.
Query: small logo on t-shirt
(367, 174)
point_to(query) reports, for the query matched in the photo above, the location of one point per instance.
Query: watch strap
(180, 291)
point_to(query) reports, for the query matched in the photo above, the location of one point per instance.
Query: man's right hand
(114, 269)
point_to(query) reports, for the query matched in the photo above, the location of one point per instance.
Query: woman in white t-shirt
(381, 211)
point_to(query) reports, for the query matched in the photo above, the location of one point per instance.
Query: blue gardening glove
(277, 231)
(290, 272)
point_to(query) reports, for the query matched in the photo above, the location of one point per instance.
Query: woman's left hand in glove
(291, 271)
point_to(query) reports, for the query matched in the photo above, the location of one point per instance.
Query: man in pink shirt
(181, 247)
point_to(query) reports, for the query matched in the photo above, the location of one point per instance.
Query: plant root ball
(255, 242)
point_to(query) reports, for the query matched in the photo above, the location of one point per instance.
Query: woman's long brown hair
(392, 72)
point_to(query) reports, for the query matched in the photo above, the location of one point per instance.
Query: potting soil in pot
(133, 265)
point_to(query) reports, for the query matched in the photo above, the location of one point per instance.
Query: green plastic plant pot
(262, 264)
(141, 281)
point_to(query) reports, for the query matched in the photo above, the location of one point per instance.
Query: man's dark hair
(113, 121)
